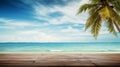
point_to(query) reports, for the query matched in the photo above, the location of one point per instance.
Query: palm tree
(102, 11)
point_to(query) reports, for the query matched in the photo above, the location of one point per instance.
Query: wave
(55, 50)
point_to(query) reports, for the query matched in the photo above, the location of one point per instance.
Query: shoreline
(59, 52)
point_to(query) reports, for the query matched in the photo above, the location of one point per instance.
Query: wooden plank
(60, 59)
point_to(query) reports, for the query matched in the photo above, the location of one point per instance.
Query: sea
(65, 47)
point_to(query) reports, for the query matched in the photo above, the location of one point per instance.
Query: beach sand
(59, 59)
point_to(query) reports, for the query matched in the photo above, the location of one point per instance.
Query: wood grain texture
(60, 59)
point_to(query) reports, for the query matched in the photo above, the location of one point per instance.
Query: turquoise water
(60, 47)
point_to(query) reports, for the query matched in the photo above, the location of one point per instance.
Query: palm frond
(116, 5)
(91, 20)
(96, 27)
(116, 16)
(111, 28)
(93, 10)
(92, 17)
(102, 10)
(86, 7)
(95, 1)
(105, 13)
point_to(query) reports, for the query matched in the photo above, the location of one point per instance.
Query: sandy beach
(59, 59)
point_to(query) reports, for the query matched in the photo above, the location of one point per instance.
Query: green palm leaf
(111, 27)
(102, 11)
(85, 7)
(96, 27)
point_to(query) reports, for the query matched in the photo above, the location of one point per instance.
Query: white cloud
(74, 32)
(84, 1)
(69, 12)
(5, 20)
(13, 24)
(37, 35)
(7, 27)
(71, 30)
(44, 35)
(28, 36)
(61, 20)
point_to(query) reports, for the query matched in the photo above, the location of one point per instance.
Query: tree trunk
(117, 26)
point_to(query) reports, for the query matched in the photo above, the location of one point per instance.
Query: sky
(47, 21)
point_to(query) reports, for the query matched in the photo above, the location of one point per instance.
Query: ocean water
(60, 47)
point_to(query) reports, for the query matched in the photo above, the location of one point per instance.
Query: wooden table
(59, 59)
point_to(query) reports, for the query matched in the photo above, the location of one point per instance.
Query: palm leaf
(91, 20)
(115, 16)
(111, 28)
(105, 13)
(115, 4)
(92, 17)
(85, 7)
(102, 10)
(95, 1)
(93, 10)
(96, 27)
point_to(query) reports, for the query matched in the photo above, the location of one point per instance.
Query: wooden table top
(60, 59)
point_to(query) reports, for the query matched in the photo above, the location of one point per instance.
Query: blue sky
(46, 21)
